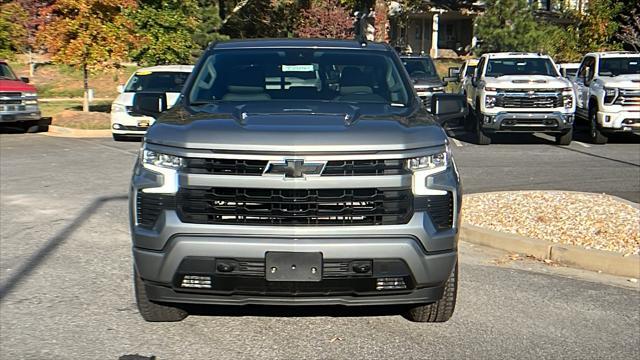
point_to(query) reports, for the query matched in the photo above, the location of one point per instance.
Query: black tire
(564, 139)
(154, 312)
(118, 137)
(595, 134)
(32, 129)
(441, 310)
(481, 138)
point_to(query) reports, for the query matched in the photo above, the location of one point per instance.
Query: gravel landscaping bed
(593, 221)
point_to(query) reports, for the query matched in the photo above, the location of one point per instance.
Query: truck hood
(16, 85)
(427, 82)
(337, 128)
(126, 98)
(527, 82)
(628, 81)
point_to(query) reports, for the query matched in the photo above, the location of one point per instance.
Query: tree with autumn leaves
(91, 35)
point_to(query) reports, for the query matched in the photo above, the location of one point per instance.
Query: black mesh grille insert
(440, 210)
(364, 167)
(295, 207)
(150, 206)
(225, 166)
(529, 102)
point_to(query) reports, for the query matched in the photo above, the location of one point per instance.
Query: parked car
(424, 76)
(165, 79)
(608, 93)
(19, 102)
(520, 92)
(342, 194)
(568, 70)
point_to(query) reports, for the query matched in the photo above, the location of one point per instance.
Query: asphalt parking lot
(65, 271)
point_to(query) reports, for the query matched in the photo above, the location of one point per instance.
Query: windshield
(299, 74)
(420, 68)
(520, 66)
(619, 66)
(157, 81)
(6, 73)
(469, 70)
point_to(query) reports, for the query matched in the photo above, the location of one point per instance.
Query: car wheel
(565, 139)
(481, 138)
(441, 310)
(594, 133)
(151, 311)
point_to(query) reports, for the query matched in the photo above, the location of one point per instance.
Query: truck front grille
(295, 206)
(225, 166)
(509, 100)
(364, 167)
(257, 167)
(628, 98)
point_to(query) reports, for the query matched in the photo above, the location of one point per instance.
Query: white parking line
(582, 144)
(457, 142)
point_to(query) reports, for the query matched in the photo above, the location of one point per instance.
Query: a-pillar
(434, 35)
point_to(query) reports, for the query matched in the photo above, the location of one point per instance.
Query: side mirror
(454, 72)
(446, 107)
(120, 88)
(149, 104)
(24, 79)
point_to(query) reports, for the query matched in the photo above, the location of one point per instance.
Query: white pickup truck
(520, 92)
(608, 93)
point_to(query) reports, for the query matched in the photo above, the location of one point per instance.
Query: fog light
(117, 126)
(195, 281)
(390, 283)
(487, 119)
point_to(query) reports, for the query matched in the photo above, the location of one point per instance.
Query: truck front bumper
(22, 116)
(626, 120)
(394, 251)
(549, 122)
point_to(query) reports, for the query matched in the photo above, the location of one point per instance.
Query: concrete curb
(573, 256)
(81, 133)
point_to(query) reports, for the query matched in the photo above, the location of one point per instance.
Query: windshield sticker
(521, 64)
(143, 72)
(298, 68)
(633, 63)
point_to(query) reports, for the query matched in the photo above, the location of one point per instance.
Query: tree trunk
(85, 101)
(381, 21)
(32, 65)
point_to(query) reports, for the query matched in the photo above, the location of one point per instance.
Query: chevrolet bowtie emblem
(291, 168)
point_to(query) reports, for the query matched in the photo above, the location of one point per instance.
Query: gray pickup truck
(297, 172)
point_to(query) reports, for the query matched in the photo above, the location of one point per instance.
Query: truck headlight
(437, 88)
(117, 108)
(425, 166)
(161, 160)
(610, 95)
(489, 101)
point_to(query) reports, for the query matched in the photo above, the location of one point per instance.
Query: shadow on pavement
(52, 244)
(293, 311)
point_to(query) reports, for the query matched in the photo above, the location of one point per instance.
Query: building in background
(444, 28)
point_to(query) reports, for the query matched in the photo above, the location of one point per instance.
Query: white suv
(608, 93)
(167, 79)
(520, 92)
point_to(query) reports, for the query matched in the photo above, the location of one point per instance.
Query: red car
(19, 103)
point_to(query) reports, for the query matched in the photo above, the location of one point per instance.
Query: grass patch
(56, 107)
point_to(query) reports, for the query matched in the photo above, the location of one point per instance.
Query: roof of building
(299, 43)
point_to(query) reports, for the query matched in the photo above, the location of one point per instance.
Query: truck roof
(612, 54)
(168, 68)
(298, 43)
(512, 54)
